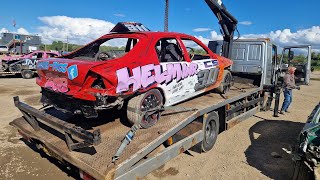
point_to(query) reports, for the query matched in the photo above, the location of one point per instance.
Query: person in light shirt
(289, 85)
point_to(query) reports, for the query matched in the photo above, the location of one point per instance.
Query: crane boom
(227, 22)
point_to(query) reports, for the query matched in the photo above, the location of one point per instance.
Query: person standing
(289, 85)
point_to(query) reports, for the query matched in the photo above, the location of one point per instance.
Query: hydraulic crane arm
(227, 22)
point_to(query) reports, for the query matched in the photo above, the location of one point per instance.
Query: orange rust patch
(181, 150)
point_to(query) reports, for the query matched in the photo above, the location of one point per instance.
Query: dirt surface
(241, 152)
(17, 159)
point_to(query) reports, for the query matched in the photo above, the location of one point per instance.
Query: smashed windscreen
(104, 49)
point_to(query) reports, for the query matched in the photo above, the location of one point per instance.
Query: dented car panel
(146, 64)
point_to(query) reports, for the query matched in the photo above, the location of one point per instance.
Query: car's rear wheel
(144, 109)
(27, 74)
(226, 83)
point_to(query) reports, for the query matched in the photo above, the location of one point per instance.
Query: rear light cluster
(24, 136)
(98, 83)
(85, 176)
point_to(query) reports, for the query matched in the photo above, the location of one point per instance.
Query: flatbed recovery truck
(181, 127)
(108, 148)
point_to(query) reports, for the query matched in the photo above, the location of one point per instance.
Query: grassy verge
(316, 68)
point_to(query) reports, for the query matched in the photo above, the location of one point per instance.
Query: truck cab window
(168, 50)
(274, 54)
(195, 51)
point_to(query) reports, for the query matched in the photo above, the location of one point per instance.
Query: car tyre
(210, 131)
(143, 102)
(226, 83)
(27, 74)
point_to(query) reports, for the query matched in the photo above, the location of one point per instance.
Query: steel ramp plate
(96, 160)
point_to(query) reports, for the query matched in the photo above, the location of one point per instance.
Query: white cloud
(78, 30)
(85, 30)
(281, 37)
(23, 31)
(213, 37)
(287, 38)
(119, 15)
(203, 39)
(2, 30)
(246, 23)
(201, 29)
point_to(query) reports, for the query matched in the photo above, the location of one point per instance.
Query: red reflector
(24, 136)
(85, 176)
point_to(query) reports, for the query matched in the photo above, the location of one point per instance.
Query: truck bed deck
(97, 160)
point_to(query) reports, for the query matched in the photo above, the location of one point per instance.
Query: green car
(307, 155)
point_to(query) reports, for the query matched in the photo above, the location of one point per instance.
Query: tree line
(315, 59)
(59, 46)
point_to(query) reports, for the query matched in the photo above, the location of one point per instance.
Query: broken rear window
(104, 49)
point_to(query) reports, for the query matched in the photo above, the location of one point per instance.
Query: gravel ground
(243, 152)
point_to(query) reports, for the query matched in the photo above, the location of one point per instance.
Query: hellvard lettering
(144, 76)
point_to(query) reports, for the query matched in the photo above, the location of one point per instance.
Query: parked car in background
(32, 55)
(24, 64)
(307, 154)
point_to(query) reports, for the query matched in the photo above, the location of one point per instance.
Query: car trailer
(105, 148)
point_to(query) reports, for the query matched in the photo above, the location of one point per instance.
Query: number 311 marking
(206, 78)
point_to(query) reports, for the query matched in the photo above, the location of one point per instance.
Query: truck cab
(256, 58)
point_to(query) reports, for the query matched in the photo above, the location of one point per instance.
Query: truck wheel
(226, 83)
(210, 131)
(26, 74)
(144, 102)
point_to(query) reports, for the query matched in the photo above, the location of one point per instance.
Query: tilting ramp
(97, 160)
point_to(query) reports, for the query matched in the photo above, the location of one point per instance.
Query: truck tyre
(226, 83)
(141, 103)
(27, 74)
(210, 131)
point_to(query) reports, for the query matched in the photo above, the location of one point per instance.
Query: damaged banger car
(306, 156)
(147, 70)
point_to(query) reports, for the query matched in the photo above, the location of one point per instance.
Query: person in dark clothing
(289, 85)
